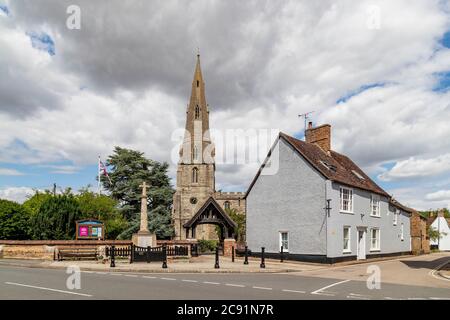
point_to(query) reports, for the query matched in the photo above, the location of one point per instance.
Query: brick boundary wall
(46, 249)
(65, 242)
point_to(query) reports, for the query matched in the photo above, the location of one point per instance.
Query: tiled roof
(404, 208)
(334, 166)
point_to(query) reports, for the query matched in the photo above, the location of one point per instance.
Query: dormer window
(329, 166)
(358, 175)
(197, 112)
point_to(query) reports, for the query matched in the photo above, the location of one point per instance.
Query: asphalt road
(34, 283)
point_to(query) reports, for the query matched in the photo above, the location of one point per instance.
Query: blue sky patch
(42, 177)
(4, 8)
(443, 82)
(361, 89)
(446, 39)
(42, 41)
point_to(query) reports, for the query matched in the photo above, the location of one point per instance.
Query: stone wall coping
(87, 242)
(64, 242)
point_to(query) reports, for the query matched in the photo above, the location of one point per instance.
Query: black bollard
(113, 257)
(216, 265)
(263, 264)
(232, 254)
(246, 255)
(164, 265)
(281, 255)
(131, 253)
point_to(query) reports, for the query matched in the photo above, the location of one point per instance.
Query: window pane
(284, 240)
(346, 238)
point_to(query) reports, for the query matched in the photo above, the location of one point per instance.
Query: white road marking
(131, 275)
(433, 272)
(186, 280)
(48, 289)
(172, 279)
(322, 290)
(417, 298)
(234, 285)
(209, 282)
(295, 291)
(148, 277)
(262, 288)
(101, 272)
(357, 296)
(438, 298)
(115, 274)
(389, 298)
(88, 271)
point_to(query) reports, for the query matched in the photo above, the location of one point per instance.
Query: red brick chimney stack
(320, 136)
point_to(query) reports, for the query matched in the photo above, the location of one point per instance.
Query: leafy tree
(14, 220)
(55, 219)
(104, 208)
(33, 203)
(239, 219)
(129, 169)
(434, 234)
(434, 213)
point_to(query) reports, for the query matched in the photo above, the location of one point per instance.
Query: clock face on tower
(193, 200)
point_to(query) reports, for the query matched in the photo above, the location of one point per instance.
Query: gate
(148, 254)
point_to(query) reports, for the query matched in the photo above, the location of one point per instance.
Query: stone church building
(197, 207)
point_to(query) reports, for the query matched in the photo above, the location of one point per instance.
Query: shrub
(207, 245)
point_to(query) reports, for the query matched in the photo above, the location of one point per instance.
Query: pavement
(202, 264)
(411, 278)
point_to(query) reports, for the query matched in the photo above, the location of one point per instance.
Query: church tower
(196, 168)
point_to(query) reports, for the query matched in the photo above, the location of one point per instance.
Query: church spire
(197, 137)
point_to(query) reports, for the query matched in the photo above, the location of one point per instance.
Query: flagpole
(99, 175)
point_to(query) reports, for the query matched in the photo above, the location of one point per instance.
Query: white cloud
(10, 172)
(17, 194)
(416, 168)
(61, 169)
(273, 62)
(441, 195)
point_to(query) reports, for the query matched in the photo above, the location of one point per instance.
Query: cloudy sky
(377, 71)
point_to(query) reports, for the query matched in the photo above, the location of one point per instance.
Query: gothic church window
(226, 205)
(195, 175)
(197, 112)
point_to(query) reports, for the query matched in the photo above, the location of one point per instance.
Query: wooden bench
(77, 253)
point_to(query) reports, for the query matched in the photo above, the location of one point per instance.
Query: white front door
(361, 244)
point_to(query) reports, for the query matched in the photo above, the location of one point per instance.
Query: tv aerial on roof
(306, 116)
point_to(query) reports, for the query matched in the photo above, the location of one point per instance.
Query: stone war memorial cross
(144, 238)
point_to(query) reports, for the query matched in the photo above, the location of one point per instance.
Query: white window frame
(395, 222)
(341, 200)
(378, 240)
(377, 213)
(281, 241)
(349, 249)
